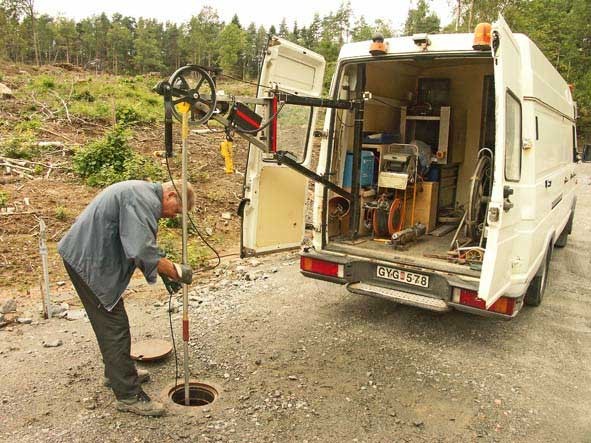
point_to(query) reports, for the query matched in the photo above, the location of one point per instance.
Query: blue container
(433, 173)
(367, 167)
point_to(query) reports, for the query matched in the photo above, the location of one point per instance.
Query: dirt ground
(301, 360)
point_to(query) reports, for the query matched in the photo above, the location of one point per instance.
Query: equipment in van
(398, 170)
(408, 235)
(496, 93)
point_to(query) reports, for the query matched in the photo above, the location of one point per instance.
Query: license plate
(411, 278)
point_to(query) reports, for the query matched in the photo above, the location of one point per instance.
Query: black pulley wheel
(193, 85)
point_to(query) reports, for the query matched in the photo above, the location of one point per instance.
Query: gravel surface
(301, 360)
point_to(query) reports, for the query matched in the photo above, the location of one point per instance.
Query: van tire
(563, 237)
(537, 287)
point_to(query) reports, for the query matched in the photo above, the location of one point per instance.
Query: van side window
(512, 138)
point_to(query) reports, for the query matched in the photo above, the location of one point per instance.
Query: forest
(124, 45)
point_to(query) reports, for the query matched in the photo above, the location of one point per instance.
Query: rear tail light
(503, 305)
(322, 267)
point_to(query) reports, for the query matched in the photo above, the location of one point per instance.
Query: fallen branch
(44, 108)
(56, 134)
(64, 104)
(18, 213)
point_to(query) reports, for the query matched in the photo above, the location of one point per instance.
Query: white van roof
(539, 78)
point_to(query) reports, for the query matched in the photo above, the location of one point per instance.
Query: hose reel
(480, 192)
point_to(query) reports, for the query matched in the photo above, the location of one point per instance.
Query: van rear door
(495, 277)
(274, 203)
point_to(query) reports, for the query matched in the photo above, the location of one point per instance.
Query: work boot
(142, 375)
(141, 404)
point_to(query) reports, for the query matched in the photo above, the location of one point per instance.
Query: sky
(261, 12)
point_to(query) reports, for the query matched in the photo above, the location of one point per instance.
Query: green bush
(111, 159)
(44, 83)
(20, 146)
(127, 115)
(28, 125)
(61, 213)
(170, 244)
(84, 96)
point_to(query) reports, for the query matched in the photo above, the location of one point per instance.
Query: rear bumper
(405, 298)
(361, 277)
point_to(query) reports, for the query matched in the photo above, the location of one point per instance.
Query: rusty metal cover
(150, 350)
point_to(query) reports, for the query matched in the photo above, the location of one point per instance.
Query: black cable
(176, 360)
(384, 103)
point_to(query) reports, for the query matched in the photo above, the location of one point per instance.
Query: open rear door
(274, 205)
(495, 277)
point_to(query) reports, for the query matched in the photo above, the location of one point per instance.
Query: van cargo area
(425, 123)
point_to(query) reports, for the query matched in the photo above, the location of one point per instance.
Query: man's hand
(166, 267)
(175, 271)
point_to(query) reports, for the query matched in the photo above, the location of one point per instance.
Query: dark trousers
(113, 336)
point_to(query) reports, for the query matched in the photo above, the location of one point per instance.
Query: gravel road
(301, 360)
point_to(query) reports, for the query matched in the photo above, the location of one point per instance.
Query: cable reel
(480, 192)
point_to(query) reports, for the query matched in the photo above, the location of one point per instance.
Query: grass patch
(100, 98)
(61, 213)
(170, 244)
(3, 199)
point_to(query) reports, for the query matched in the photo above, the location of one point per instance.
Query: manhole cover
(150, 350)
(200, 394)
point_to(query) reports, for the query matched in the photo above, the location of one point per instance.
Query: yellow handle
(184, 108)
(226, 151)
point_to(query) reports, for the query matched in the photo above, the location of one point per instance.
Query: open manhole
(200, 394)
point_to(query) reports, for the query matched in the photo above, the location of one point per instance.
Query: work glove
(184, 272)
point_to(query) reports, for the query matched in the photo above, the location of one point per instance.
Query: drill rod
(185, 134)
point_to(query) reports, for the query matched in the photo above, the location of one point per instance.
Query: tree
(120, 40)
(29, 8)
(203, 34)
(421, 19)
(250, 51)
(235, 20)
(361, 31)
(171, 46)
(283, 31)
(231, 46)
(148, 54)
(65, 35)
(384, 27)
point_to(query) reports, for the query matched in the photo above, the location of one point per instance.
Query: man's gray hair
(171, 185)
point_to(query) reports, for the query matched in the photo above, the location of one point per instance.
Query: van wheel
(537, 287)
(563, 237)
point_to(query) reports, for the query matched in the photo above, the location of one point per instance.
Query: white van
(460, 163)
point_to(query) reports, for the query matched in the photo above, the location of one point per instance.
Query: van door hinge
(493, 215)
(507, 192)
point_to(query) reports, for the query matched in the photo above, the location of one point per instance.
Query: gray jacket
(113, 236)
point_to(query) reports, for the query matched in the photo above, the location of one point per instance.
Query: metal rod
(185, 134)
(43, 253)
(283, 158)
(357, 145)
